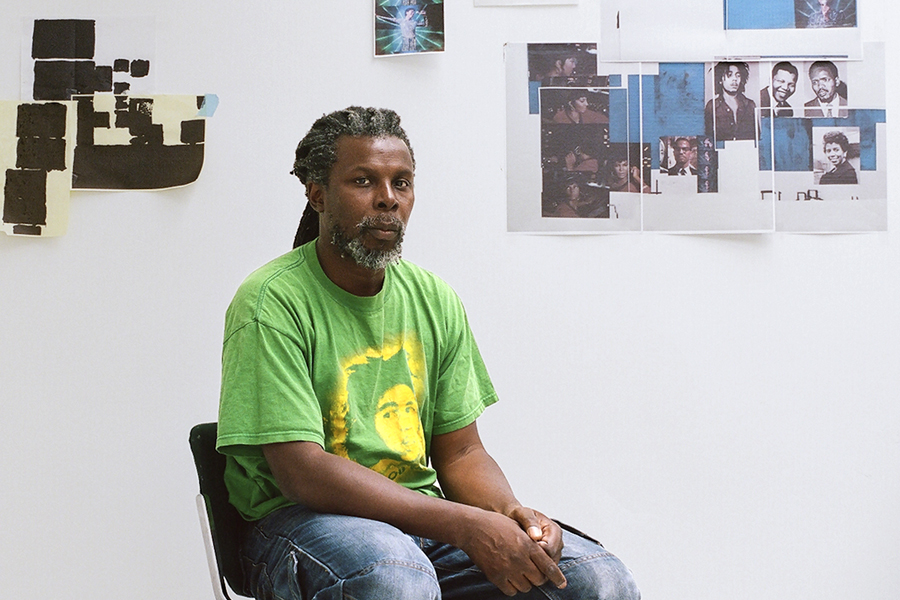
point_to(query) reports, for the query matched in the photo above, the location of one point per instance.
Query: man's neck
(345, 273)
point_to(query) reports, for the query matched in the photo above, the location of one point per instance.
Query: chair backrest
(225, 524)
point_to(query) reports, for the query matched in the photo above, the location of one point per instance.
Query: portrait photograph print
(730, 112)
(836, 155)
(408, 27)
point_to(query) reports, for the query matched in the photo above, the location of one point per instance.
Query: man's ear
(315, 193)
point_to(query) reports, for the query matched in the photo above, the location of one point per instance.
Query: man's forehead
(350, 150)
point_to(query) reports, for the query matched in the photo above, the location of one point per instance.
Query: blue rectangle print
(759, 14)
(619, 117)
(678, 100)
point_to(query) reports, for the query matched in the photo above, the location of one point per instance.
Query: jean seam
(400, 563)
(566, 565)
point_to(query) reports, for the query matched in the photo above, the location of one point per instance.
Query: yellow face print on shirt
(397, 422)
(377, 400)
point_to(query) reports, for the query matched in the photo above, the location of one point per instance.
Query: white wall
(720, 410)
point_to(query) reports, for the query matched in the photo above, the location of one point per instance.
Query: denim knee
(600, 576)
(394, 579)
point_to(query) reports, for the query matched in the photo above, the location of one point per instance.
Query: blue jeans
(297, 554)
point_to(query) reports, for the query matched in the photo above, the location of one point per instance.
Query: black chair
(223, 528)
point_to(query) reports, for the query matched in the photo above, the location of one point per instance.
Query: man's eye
(361, 180)
(401, 183)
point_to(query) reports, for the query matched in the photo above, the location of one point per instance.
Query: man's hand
(541, 529)
(509, 557)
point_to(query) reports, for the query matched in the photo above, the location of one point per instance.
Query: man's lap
(294, 551)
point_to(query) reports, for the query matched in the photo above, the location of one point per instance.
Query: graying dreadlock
(317, 151)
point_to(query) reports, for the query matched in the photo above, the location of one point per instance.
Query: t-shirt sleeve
(464, 388)
(267, 394)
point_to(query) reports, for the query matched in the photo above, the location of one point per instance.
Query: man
(826, 84)
(731, 115)
(407, 26)
(784, 84)
(684, 151)
(351, 386)
(828, 16)
(836, 146)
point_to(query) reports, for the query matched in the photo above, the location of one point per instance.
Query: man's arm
(496, 543)
(469, 475)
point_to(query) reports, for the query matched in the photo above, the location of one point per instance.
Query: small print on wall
(408, 27)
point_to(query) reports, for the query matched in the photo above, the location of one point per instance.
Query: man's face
(369, 197)
(573, 192)
(731, 80)
(397, 422)
(620, 168)
(682, 153)
(824, 85)
(834, 153)
(784, 85)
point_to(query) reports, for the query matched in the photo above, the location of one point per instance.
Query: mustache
(388, 222)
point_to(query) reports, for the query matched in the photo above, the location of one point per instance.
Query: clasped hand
(518, 551)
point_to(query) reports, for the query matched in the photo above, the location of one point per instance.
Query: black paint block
(120, 65)
(41, 120)
(120, 87)
(60, 79)
(123, 119)
(85, 121)
(27, 229)
(101, 120)
(136, 167)
(64, 38)
(151, 135)
(192, 132)
(47, 154)
(140, 68)
(54, 80)
(121, 102)
(25, 197)
(90, 78)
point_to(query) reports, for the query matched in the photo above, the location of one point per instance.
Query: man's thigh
(296, 554)
(592, 573)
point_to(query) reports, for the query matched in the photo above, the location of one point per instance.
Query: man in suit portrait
(827, 85)
(684, 151)
(784, 84)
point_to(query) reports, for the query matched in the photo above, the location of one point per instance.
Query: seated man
(351, 386)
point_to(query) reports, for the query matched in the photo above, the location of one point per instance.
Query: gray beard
(374, 260)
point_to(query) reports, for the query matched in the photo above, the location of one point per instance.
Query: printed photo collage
(728, 145)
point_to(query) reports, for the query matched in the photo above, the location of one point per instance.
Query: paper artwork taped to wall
(408, 27)
(92, 121)
(794, 144)
(789, 14)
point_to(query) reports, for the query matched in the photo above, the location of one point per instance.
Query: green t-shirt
(368, 378)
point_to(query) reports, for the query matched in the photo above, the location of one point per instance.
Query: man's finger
(550, 569)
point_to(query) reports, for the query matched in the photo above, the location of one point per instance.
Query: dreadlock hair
(317, 151)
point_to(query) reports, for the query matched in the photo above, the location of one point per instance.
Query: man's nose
(386, 197)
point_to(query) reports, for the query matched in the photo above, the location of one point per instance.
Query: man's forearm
(323, 482)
